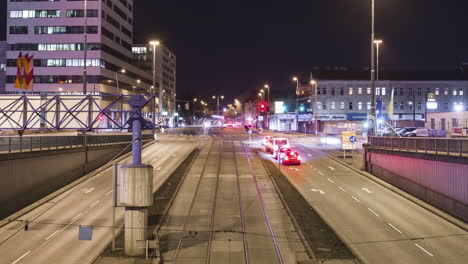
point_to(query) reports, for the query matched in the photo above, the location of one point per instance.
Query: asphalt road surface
(377, 224)
(52, 236)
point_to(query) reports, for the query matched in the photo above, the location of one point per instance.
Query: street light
(217, 101)
(155, 43)
(268, 87)
(315, 109)
(297, 101)
(373, 116)
(377, 43)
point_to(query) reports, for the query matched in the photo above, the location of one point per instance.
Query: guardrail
(24, 144)
(441, 146)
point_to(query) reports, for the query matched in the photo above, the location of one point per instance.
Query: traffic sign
(352, 139)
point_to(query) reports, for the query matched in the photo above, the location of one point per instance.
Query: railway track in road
(225, 219)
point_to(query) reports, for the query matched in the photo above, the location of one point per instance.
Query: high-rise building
(53, 32)
(3, 48)
(165, 72)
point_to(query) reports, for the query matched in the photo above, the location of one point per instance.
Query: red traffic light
(262, 106)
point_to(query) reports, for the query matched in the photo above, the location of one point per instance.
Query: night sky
(235, 46)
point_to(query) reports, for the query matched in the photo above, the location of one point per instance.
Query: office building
(3, 49)
(165, 72)
(53, 32)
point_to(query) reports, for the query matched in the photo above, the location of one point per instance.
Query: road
(228, 211)
(377, 224)
(53, 232)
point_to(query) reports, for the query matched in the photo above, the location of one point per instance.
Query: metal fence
(23, 144)
(442, 146)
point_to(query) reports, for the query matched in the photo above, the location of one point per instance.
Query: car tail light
(298, 157)
(286, 158)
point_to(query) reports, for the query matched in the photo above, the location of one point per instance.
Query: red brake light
(286, 158)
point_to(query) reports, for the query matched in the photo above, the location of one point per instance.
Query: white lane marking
(318, 190)
(53, 234)
(341, 189)
(355, 199)
(88, 190)
(76, 217)
(159, 168)
(315, 169)
(20, 258)
(372, 211)
(109, 192)
(330, 180)
(321, 173)
(174, 155)
(366, 190)
(309, 155)
(93, 204)
(331, 168)
(392, 226)
(423, 249)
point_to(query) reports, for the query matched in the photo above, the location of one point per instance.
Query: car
(279, 143)
(290, 158)
(266, 140)
(282, 152)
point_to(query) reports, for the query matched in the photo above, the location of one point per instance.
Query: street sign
(346, 142)
(352, 139)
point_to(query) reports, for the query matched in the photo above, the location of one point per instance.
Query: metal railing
(24, 144)
(440, 146)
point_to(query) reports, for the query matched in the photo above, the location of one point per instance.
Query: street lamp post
(85, 49)
(217, 97)
(155, 43)
(297, 101)
(373, 116)
(377, 43)
(315, 102)
(268, 112)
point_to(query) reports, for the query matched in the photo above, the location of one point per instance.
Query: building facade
(3, 49)
(53, 32)
(165, 72)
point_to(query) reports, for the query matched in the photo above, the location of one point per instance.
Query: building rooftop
(396, 75)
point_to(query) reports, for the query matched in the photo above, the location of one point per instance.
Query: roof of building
(396, 75)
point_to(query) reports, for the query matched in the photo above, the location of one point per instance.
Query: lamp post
(217, 97)
(315, 102)
(268, 88)
(377, 43)
(155, 43)
(373, 116)
(297, 101)
(85, 49)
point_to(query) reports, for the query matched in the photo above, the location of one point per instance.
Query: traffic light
(263, 107)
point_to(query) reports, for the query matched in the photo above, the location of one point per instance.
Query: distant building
(52, 31)
(165, 72)
(3, 49)
(343, 97)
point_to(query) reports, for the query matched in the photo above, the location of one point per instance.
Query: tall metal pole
(377, 56)
(85, 48)
(373, 117)
(297, 104)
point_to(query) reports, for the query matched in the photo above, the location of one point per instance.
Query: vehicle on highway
(281, 152)
(279, 143)
(266, 140)
(290, 158)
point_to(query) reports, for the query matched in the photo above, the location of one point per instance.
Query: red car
(280, 154)
(290, 158)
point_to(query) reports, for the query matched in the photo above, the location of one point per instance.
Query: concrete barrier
(441, 181)
(30, 176)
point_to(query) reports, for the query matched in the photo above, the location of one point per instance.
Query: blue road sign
(352, 139)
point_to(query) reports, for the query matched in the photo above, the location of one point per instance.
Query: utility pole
(85, 49)
(373, 116)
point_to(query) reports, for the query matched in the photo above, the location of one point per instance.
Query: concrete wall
(439, 180)
(28, 177)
